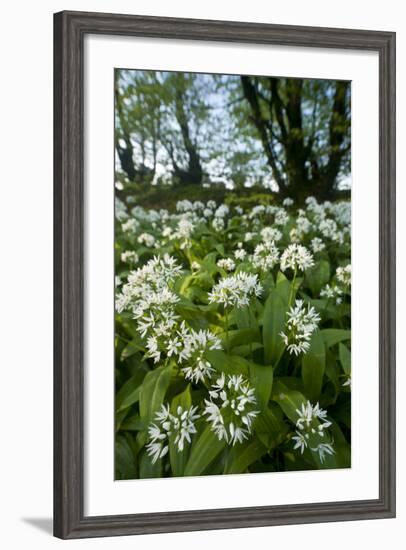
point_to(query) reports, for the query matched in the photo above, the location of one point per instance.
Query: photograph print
(232, 274)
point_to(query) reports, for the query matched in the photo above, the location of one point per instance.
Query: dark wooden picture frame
(69, 31)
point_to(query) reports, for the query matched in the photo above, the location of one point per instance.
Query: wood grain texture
(69, 31)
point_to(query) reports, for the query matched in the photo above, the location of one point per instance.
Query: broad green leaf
(317, 276)
(133, 347)
(133, 424)
(289, 400)
(273, 323)
(270, 427)
(313, 367)
(244, 317)
(242, 455)
(125, 460)
(332, 336)
(345, 358)
(120, 418)
(152, 391)
(128, 394)
(261, 378)
(178, 459)
(149, 470)
(241, 337)
(247, 350)
(229, 364)
(204, 450)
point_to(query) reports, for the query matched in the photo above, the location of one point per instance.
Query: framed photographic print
(224, 275)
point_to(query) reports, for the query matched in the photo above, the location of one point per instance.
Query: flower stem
(227, 335)
(292, 287)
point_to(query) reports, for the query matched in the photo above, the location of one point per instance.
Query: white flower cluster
(152, 303)
(129, 257)
(147, 239)
(180, 425)
(235, 290)
(295, 257)
(130, 226)
(265, 256)
(343, 275)
(231, 408)
(269, 234)
(240, 254)
(317, 245)
(301, 324)
(152, 277)
(227, 264)
(332, 293)
(195, 345)
(311, 425)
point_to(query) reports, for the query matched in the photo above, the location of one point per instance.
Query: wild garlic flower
(328, 228)
(120, 210)
(222, 211)
(296, 256)
(287, 202)
(147, 239)
(265, 256)
(227, 264)
(281, 217)
(249, 236)
(310, 430)
(130, 226)
(240, 253)
(184, 206)
(194, 266)
(294, 235)
(317, 245)
(301, 324)
(343, 274)
(235, 290)
(218, 224)
(129, 257)
(195, 345)
(154, 275)
(231, 408)
(183, 232)
(332, 293)
(323, 449)
(269, 234)
(181, 425)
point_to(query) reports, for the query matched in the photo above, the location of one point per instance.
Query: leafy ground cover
(232, 338)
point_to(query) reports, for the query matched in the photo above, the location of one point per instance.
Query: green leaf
(313, 367)
(289, 400)
(204, 450)
(152, 391)
(345, 358)
(229, 364)
(241, 337)
(261, 378)
(244, 317)
(242, 455)
(128, 394)
(125, 460)
(332, 336)
(270, 427)
(317, 276)
(178, 458)
(133, 347)
(273, 323)
(149, 470)
(133, 424)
